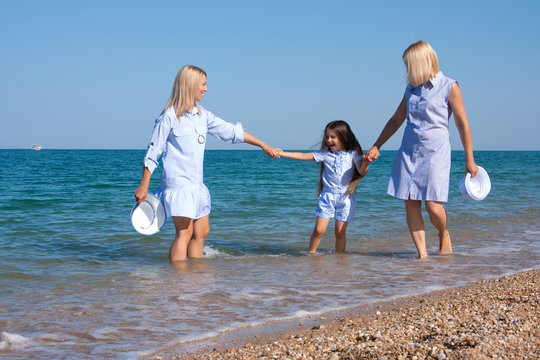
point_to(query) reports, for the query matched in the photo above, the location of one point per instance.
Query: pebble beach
(494, 318)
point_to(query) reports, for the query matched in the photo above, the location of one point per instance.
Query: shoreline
(488, 318)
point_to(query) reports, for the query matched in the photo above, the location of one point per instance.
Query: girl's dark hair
(346, 137)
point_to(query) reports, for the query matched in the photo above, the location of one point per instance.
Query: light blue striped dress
(421, 169)
(180, 145)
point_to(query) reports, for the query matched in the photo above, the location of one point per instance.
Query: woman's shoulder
(204, 113)
(168, 113)
(447, 80)
(446, 84)
(166, 116)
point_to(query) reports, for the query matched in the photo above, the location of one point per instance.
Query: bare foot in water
(445, 244)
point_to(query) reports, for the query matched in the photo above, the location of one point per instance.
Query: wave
(13, 341)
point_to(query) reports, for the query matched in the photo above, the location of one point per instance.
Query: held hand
(472, 168)
(140, 194)
(371, 155)
(274, 153)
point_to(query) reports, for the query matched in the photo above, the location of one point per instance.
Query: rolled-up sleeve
(158, 142)
(223, 130)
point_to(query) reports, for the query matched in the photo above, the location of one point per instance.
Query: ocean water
(77, 281)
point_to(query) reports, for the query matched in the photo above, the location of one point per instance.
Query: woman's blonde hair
(422, 63)
(184, 89)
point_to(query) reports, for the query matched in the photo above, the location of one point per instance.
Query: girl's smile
(332, 141)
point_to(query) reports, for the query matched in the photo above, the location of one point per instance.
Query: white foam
(47, 337)
(238, 296)
(13, 341)
(209, 252)
(147, 274)
(532, 234)
(104, 332)
(199, 337)
(304, 314)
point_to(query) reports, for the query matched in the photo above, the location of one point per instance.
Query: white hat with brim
(149, 216)
(476, 188)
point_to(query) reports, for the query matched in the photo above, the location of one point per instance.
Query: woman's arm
(142, 190)
(390, 129)
(297, 156)
(162, 128)
(235, 134)
(268, 150)
(458, 108)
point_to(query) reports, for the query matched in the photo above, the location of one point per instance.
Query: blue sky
(96, 74)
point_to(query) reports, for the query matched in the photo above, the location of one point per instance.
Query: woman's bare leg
(201, 229)
(438, 218)
(184, 231)
(416, 226)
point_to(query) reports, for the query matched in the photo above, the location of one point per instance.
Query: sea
(77, 281)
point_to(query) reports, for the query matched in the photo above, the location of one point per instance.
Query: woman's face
(201, 89)
(332, 141)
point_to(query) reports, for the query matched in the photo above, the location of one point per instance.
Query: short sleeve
(320, 155)
(357, 156)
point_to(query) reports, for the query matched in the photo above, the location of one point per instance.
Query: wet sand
(489, 319)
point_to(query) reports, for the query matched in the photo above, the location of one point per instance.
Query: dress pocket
(185, 139)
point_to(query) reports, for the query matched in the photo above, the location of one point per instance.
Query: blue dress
(421, 169)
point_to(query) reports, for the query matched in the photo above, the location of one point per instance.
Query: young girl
(341, 170)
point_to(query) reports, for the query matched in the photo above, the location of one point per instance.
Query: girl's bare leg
(340, 229)
(438, 218)
(184, 231)
(320, 227)
(416, 226)
(201, 229)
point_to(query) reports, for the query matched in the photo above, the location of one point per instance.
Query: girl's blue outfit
(421, 169)
(337, 174)
(180, 144)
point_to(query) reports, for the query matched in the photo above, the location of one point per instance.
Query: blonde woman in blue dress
(179, 138)
(421, 169)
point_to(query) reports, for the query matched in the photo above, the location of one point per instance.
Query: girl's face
(332, 141)
(201, 89)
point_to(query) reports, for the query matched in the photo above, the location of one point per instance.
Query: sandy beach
(493, 318)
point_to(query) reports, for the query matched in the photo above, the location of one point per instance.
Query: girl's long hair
(346, 137)
(184, 89)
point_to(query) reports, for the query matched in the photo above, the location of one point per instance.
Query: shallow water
(78, 281)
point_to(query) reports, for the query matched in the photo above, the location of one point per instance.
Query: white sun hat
(476, 188)
(149, 216)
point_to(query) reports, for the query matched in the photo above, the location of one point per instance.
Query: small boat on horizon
(36, 147)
